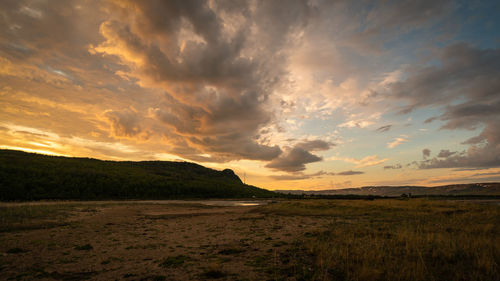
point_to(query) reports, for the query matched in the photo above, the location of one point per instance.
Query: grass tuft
(231, 251)
(16, 251)
(398, 240)
(174, 261)
(86, 247)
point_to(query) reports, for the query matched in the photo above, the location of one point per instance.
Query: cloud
(397, 141)
(393, 167)
(314, 145)
(483, 152)
(474, 157)
(445, 153)
(300, 176)
(464, 70)
(125, 124)
(201, 55)
(384, 128)
(293, 160)
(426, 153)
(358, 120)
(350, 173)
(470, 178)
(471, 74)
(214, 81)
(387, 20)
(47, 142)
(198, 74)
(367, 161)
(356, 124)
(290, 177)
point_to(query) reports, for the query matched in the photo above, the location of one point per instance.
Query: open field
(392, 239)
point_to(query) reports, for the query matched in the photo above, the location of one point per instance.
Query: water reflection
(226, 203)
(222, 203)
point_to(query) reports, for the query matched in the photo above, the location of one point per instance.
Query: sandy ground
(149, 241)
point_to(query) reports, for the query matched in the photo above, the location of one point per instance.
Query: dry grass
(413, 239)
(401, 240)
(29, 217)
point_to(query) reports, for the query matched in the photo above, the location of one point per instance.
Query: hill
(474, 189)
(29, 176)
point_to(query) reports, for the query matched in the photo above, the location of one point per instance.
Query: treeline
(29, 176)
(335, 196)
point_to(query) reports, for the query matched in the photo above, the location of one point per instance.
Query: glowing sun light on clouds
(295, 94)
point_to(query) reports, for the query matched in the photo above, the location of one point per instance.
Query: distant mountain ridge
(452, 189)
(30, 176)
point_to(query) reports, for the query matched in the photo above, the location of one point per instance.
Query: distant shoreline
(208, 202)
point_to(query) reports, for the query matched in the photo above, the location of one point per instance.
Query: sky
(291, 94)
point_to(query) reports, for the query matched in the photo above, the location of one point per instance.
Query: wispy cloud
(397, 141)
(384, 128)
(393, 167)
(367, 161)
(350, 173)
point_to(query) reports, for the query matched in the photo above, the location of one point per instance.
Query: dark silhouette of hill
(469, 189)
(30, 176)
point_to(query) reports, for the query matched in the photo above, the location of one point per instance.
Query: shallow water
(225, 203)
(222, 203)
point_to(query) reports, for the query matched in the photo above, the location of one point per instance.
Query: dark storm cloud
(388, 19)
(350, 173)
(199, 76)
(217, 89)
(279, 18)
(216, 62)
(293, 160)
(464, 71)
(225, 127)
(473, 114)
(237, 146)
(25, 25)
(470, 74)
(384, 128)
(218, 59)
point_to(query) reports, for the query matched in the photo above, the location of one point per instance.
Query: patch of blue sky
(415, 40)
(481, 22)
(56, 71)
(433, 130)
(359, 143)
(417, 135)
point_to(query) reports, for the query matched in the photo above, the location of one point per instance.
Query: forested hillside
(29, 176)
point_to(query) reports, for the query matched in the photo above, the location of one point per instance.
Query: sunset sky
(288, 94)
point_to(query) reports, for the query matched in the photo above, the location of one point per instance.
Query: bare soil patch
(101, 241)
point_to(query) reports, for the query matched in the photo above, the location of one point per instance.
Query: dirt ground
(156, 242)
